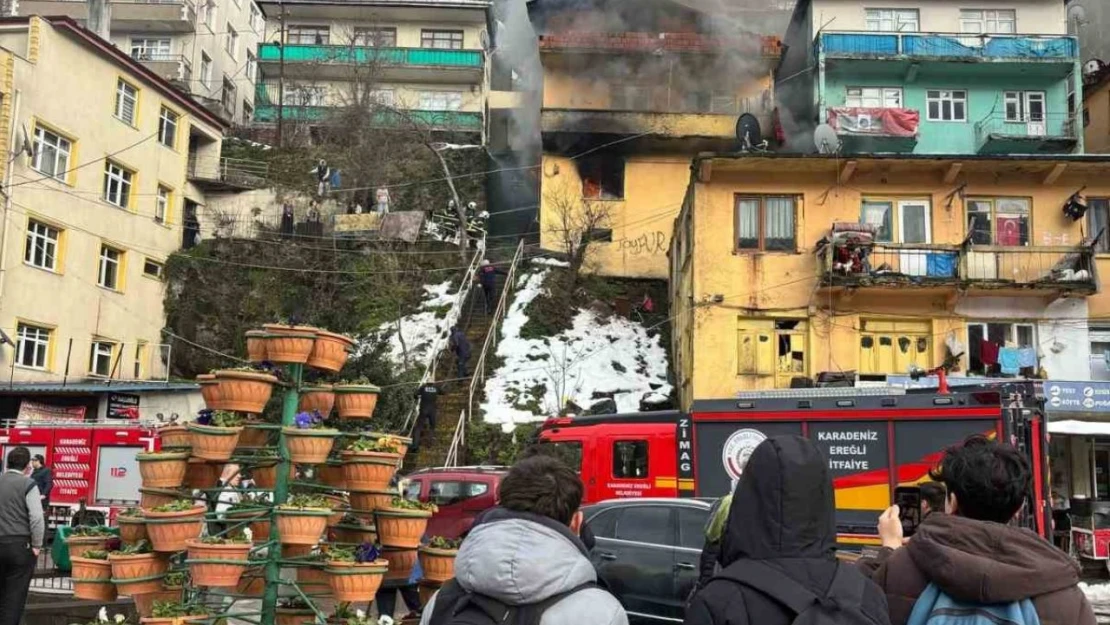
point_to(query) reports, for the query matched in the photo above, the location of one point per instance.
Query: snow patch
(421, 329)
(550, 262)
(1096, 593)
(597, 357)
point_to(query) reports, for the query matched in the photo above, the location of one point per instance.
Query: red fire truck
(875, 440)
(91, 461)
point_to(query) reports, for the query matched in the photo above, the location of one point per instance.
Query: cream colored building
(427, 57)
(98, 188)
(207, 47)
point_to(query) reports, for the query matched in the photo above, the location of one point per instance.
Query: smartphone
(908, 499)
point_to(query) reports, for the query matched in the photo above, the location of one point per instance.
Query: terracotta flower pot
(289, 346)
(438, 564)
(350, 581)
(243, 391)
(259, 524)
(296, 551)
(356, 401)
(401, 563)
(339, 507)
(290, 616)
(427, 590)
(79, 545)
(329, 353)
(131, 529)
(371, 500)
(332, 474)
(154, 497)
(100, 590)
(137, 574)
(88, 569)
(144, 603)
(320, 398)
(315, 578)
(309, 446)
(302, 527)
(201, 475)
(252, 584)
(353, 534)
(174, 436)
(162, 470)
(176, 620)
(404, 441)
(256, 346)
(401, 528)
(265, 476)
(216, 565)
(369, 470)
(213, 443)
(169, 530)
(254, 436)
(210, 391)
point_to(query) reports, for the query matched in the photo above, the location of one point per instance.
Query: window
(604, 523)
(441, 39)
(376, 37)
(891, 347)
(382, 97)
(167, 127)
(117, 185)
(946, 106)
(569, 452)
(448, 493)
(998, 22)
(162, 204)
(248, 113)
(986, 339)
(413, 489)
(772, 347)
(32, 346)
(899, 221)
(303, 95)
(630, 460)
(599, 235)
(873, 97)
(151, 49)
(307, 35)
(1024, 106)
(440, 100)
(602, 177)
(100, 358)
(1100, 352)
(252, 66)
(765, 224)
(51, 154)
(1098, 222)
(127, 101)
(210, 15)
(893, 20)
(232, 42)
(691, 527)
(645, 524)
(42, 246)
(998, 221)
(205, 70)
(140, 360)
(111, 263)
(152, 268)
(256, 19)
(227, 95)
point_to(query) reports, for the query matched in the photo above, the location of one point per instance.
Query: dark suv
(647, 552)
(461, 493)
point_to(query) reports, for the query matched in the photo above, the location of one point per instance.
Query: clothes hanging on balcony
(988, 352)
(1027, 357)
(1008, 360)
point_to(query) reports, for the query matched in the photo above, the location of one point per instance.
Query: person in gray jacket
(22, 527)
(523, 563)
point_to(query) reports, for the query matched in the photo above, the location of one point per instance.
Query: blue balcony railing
(439, 120)
(410, 57)
(948, 46)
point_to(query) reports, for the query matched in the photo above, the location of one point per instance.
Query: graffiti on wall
(647, 243)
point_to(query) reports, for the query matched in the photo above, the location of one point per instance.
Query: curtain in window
(779, 224)
(747, 224)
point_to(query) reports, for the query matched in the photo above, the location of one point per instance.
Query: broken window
(600, 235)
(602, 177)
(773, 347)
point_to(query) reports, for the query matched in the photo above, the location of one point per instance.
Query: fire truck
(875, 439)
(92, 462)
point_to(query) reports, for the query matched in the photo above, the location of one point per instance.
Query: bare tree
(574, 222)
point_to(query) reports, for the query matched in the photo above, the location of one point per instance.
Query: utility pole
(281, 75)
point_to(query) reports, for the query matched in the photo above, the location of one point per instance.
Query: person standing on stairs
(428, 393)
(487, 277)
(461, 347)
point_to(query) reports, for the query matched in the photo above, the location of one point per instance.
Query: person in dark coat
(428, 394)
(487, 277)
(43, 478)
(461, 347)
(783, 515)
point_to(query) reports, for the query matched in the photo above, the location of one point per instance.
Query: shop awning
(1079, 428)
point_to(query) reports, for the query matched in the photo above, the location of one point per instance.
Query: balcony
(436, 120)
(769, 47)
(148, 16)
(172, 67)
(875, 130)
(1052, 133)
(339, 62)
(986, 269)
(228, 173)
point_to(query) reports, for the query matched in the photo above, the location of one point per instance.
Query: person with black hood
(778, 553)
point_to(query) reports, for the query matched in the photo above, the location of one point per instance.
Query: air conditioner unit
(1035, 129)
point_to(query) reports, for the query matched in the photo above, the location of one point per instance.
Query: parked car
(461, 493)
(646, 551)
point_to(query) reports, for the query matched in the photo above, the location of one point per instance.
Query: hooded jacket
(521, 559)
(782, 513)
(982, 562)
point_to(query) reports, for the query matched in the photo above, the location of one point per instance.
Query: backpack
(935, 607)
(454, 605)
(841, 605)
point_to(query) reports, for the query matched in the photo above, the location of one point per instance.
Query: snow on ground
(550, 262)
(438, 312)
(1096, 593)
(598, 355)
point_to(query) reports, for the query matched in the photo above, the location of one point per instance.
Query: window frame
(951, 99)
(636, 444)
(986, 17)
(895, 17)
(47, 347)
(122, 87)
(148, 52)
(635, 513)
(163, 204)
(1012, 335)
(1101, 206)
(1022, 101)
(104, 260)
(206, 70)
(229, 94)
(247, 111)
(55, 254)
(314, 30)
(139, 372)
(761, 225)
(883, 94)
(126, 178)
(95, 354)
(450, 98)
(897, 223)
(148, 261)
(40, 145)
(450, 35)
(167, 116)
(255, 19)
(358, 36)
(252, 66)
(993, 200)
(231, 43)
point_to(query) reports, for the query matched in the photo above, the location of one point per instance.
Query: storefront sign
(34, 411)
(123, 406)
(1077, 396)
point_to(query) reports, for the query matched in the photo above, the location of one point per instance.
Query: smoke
(518, 54)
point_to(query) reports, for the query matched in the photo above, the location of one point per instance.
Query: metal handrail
(455, 313)
(457, 439)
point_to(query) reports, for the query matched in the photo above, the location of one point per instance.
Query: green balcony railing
(446, 120)
(410, 57)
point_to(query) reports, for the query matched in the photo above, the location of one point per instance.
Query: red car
(461, 493)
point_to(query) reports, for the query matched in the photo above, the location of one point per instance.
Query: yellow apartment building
(1096, 112)
(98, 187)
(427, 58)
(786, 266)
(630, 94)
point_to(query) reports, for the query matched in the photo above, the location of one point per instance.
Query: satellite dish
(1092, 67)
(749, 134)
(826, 139)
